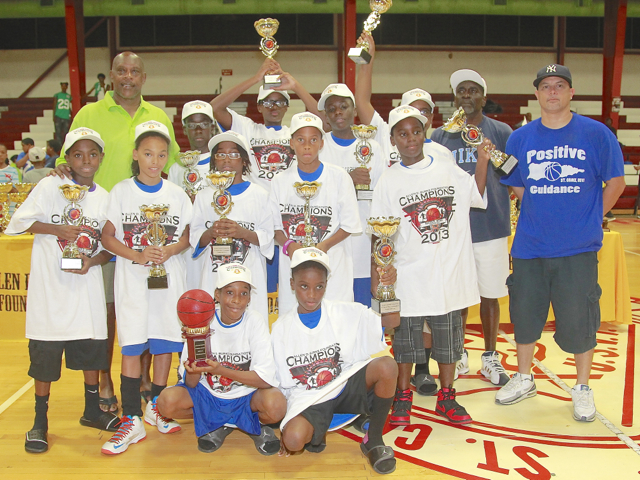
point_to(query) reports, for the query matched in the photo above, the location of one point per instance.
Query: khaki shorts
(492, 266)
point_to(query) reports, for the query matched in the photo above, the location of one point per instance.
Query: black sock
(130, 393)
(379, 411)
(156, 390)
(92, 401)
(42, 406)
(424, 367)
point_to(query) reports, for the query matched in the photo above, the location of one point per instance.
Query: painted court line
(11, 400)
(632, 253)
(558, 381)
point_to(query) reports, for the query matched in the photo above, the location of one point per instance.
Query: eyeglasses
(202, 125)
(230, 156)
(274, 103)
(425, 112)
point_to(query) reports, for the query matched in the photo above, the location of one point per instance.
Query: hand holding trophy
(360, 53)
(156, 236)
(195, 311)
(383, 253)
(220, 182)
(72, 215)
(363, 153)
(306, 191)
(267, 28)
(191, 179)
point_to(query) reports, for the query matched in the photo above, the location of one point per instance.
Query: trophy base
(154, 283)
(364, 194)
(385, 306)
(198, 349)
(359, 55)
(271, 81)
(71, 264)
(222, 249)
(507, 167)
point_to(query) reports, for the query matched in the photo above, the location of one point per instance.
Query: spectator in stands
(525, 120)
(62, 112)
(53, 152)
(491, 107)
(8, 171)
(100, 87)
(23, 157)
(37, 157)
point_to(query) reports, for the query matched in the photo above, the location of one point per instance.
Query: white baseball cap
(405, 111)
(197, 106)
(36, 154)
(265, 92)
(153, 126)
(305, 119)
(464, 75)
(82, 133)
(233, 272)
(417, 94)
(310, 254)
(230, 136)
(337, 89)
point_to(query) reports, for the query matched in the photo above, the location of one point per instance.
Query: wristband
(285, 246)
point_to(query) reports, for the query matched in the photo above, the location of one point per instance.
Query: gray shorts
(446, 333)
(108, 273)
(570, 285)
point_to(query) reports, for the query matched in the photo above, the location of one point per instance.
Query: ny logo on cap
(551, 68)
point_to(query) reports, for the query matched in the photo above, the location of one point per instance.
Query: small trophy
(156, 236)
(472, 135)
(195, 311)
(267, 28)
(360, 53)
(5, 188)
(191, 179)
(306, 191)
(383, 253)
(363, 155)
(72, 215)
(220, 182)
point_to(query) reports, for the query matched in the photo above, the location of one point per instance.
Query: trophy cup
(5, 188)
(363, 155)
(267, 28)
(156, 236)
(220, 182)
(360, 53)
(195, 311)
(23, 192)
(72, 215)
(306, 191)
(383, 253)
(472, 135)
(191, 179)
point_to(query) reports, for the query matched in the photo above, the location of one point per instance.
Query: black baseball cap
(553, 70)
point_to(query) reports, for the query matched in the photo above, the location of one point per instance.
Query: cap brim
(467, 75)
(96, 139)
(227, 137)
(537, 81)
(421, 118)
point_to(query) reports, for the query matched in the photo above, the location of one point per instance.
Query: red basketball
(300, 230)
(222, 200)
(83, 242)
(472, 134)
(274, 157)
(196, 308)
(386, 251)
(324, 377)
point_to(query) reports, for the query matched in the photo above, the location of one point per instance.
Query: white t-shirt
(436, 268)
(334, 207)
(250, 210)
(313, 365)
(144, 313)
(63, 305)
(246, 346)
(344, 157)
(272, 153)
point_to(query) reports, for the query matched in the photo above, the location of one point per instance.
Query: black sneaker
(36, 441)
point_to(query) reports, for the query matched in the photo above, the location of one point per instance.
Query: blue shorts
(210, 413)
(362, 291)
(272, 270)
(155, 347)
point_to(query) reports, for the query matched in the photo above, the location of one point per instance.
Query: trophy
(195, 311)
(156, 236)
(383, 253)
(191, 179)
(23, 192)
(220, 182)
(267, 28)
(363, 155)
(5, 188)
(306, 191)
(360, 53)
(472, 135)
(72, 215)
(514, 211)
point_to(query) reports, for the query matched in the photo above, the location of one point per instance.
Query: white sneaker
(462, 366)
(516, 390)
(493, 369)
(584, 408)
(131, 430)
(153, 417)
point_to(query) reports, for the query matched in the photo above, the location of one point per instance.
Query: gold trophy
(472, 135)
(383, 253)
(363, 154)
(156, 237)
(267, 28)
(306, 191)
(220, 182)
(5, 188)
(72, 215)
(360, 53)
(23, 192)
(191, 179)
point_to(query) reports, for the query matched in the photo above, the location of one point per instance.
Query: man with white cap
(37, 157)
(490, 227)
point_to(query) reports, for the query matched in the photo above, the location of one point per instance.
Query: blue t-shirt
(562, 171)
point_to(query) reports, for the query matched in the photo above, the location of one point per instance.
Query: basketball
(553, 171)
(195, 308)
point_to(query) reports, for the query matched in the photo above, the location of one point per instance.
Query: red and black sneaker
(448, 408)
(401, 410)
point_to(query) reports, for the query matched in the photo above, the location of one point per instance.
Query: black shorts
(570, 285)
(354, 399)
(46, 357)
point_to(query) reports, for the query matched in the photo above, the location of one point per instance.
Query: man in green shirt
(62, 112)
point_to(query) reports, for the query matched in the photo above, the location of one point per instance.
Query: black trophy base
(271, 81)
(222, 249)
(71, 264)
(154, 283)
(385, 306)
(507, 166)
(364, 194)
(359, 55)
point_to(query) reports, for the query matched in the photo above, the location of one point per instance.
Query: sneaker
(462, 367)
(447, 407)
(401, 409)
(131, 430)
(517, 389)
(36, 441)
(212, 441)
(153, 417)
(425, 384)
(493, 369)
(584, 408)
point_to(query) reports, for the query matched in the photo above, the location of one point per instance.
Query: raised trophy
(267, 28)
(472, 135)
(220, 182)
(363, 154)
(191, 179)
(360, 53)
(156, 237)
(383, 253)
(72, 215)
(306, 191)
(195, 311)
(5, 203)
